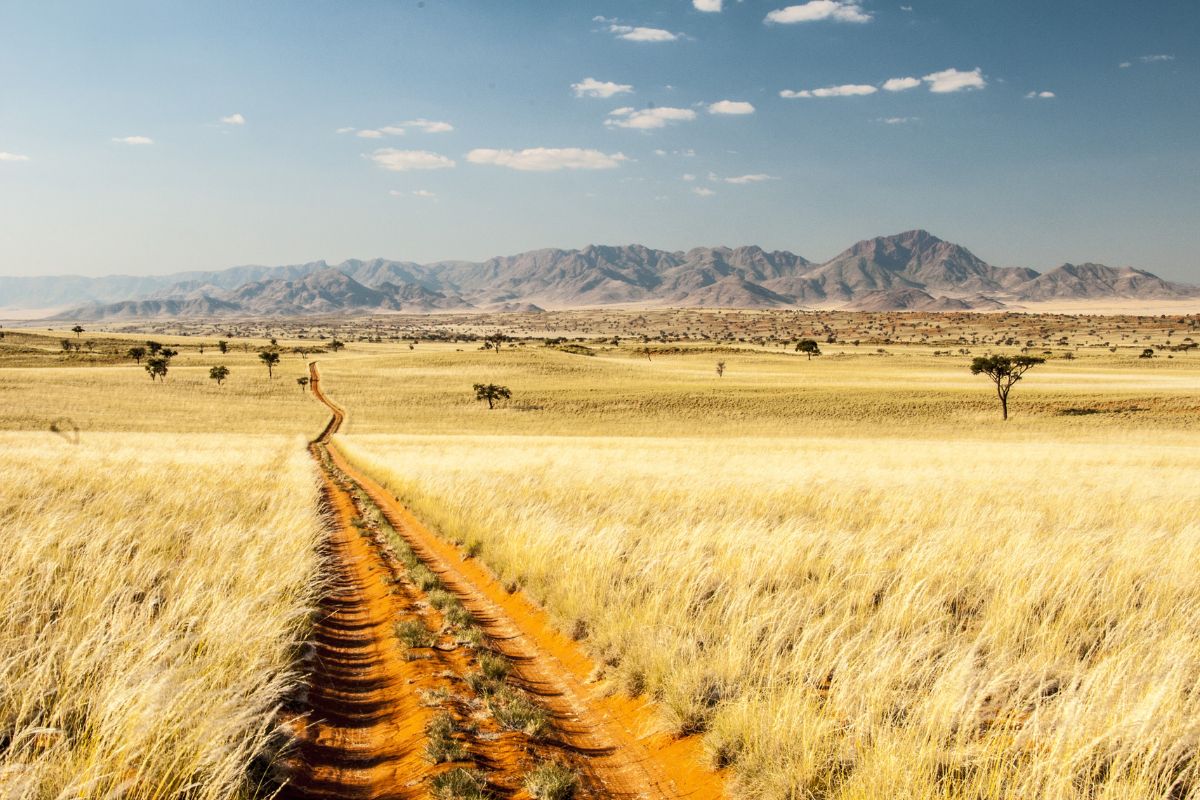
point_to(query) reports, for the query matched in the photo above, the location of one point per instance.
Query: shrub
(442, 746)
(516, 712)
(459, 784)
(551, 781)
(414, 634)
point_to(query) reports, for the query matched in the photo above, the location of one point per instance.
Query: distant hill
(914, 270)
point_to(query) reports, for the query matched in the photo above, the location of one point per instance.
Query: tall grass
(155, 588)
(857, 618)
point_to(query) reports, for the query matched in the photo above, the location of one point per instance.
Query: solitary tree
(496, 341)
(303, 381)
(223, 346)
(66, 345)
(219, 374)
(809, 347)
(491, 392)
(720, 369)
(336, 345)
(1004, 372)
(157, 367)
(270, 358)
(1147, 353)
(167, 353)
(78, 329)
(153, 347)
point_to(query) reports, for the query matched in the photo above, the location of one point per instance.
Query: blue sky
(469, 129)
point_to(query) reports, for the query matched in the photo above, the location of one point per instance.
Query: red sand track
(363, 733)
(365, 737)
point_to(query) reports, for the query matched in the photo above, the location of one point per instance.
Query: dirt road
(372, 699)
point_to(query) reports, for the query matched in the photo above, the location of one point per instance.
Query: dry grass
(103, 392)
(908, 391)
(862, 618)
(155, 587)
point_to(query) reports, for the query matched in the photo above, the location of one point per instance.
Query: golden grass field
(847, 573)
(156, 587)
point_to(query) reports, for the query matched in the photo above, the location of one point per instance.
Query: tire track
(609, 741)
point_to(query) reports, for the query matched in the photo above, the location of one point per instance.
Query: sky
(154, 136)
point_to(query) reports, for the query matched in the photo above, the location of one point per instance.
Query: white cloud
(1125, 64)
(953, 80)
(847, 90)
(648, 118)
(818, 10)
(632, 33)
(547, 159)
(395, 160)
(734, 107)
(422, 124)
(1156, 58)
(897, 120)
(590, 87)
(756, 178)
(707, 5)
(703, 191)
(1040, 95)
(133, 140)
(344, 130)
(370, 134)
(689, 177)
(901, 84)
(906, 8)
(234, 119)
(12, 157)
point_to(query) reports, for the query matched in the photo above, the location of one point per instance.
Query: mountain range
(909, 271)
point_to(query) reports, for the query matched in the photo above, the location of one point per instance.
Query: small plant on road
(219, 374)
(270, 358)
(442, 746)
(460, 784)
(491, 393)
(551, 781)
(414, 634)
(516, 712)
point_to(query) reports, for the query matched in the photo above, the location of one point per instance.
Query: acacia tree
(303, 381)
(496, 341)
(270, 358)
(78, 329)
(219, 374)
(157, 367)
(223, 346)
(491, 392)
(809, 347)
(1004, 371)
(336, 345)
(720, 369)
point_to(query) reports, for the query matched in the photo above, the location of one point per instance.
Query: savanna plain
(829, 576)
